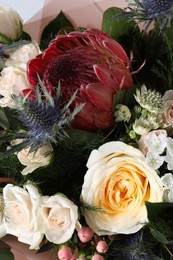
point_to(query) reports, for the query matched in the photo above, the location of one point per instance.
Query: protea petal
(104, 75)
(100, 96)
(116, 48)
(119, 72)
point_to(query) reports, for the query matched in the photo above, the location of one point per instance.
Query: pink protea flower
(91, 62)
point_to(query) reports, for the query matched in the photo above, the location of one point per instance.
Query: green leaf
(159, 236)
(119, 98)
(46, 247)
(116, 27)
(156, 210)
(125, 97)
(6, 254)
(26, 36)
(4, 123)
(52, 29)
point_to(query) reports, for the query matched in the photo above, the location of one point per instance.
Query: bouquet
(86, 134)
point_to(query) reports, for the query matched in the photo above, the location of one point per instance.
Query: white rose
(13, 78)
(11, 25)
(118, 182)
(35, 160)
(23, 54)
(20, 208)
(12, 82)
(58, 217)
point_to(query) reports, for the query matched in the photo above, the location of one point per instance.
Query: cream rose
(118, 182)
(168, 113)
(35, 160)
(58, 217)
(13, 77)
(20, 212)
(12, 82)
(11, 25)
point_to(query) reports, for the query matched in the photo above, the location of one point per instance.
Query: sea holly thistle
(44, 117)
(44, 120)
(149, 11)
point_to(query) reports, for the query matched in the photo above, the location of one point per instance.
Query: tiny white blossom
(156, 143)
(167, 181)
(169, 160)
(154, 160)
(170, 146)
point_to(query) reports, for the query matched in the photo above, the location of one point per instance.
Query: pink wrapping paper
(86, 13)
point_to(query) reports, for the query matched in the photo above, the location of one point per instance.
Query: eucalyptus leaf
(116, 27)
(52, 29)
(5, 254)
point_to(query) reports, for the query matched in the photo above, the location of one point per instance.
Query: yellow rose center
(126, 187)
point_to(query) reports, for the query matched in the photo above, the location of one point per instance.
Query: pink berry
(97, 257)
(65, 253)
(85, 234)
(102, 246)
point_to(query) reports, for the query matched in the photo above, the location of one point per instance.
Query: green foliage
(122, 30)
(57, 24)
(4, 122)
(25, 36)
(125, 97)
(163, 70)
(161, 226)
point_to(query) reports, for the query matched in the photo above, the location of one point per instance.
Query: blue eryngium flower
(44, 118)
(149, 11)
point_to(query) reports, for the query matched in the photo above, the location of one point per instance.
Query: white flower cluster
(167, 181)
(158, 148)
(29, 216)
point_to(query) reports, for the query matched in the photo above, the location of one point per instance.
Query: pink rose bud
(97, 257)
(65, 253)
(85, 234)
(102, 246)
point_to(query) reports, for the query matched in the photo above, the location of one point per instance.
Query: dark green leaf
(14, 149)
(156, 210)
(158, 236)
(26, 36)
(117, 27)
(5, 254)
(129, 99)
(119, 98)
(52, 29)
(46, 247)
(125, 97)
(4, 123)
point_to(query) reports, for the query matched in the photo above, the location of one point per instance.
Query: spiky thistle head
(149, 11)
(45, 118)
